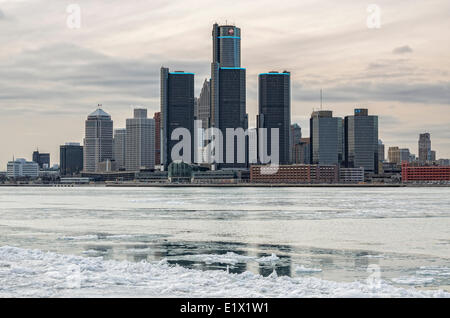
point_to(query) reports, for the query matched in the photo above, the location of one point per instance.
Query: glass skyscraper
(326, 138)
(177, 110)
(274, 105)
(228, 89)
(361, 141)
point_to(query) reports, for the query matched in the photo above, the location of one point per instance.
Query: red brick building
(412, 173)
(294, 174)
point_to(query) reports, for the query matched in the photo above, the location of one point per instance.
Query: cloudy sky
(52, 76)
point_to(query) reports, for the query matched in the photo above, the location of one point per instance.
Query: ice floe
(34, 273)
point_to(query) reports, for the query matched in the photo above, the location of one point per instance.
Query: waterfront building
(326, 138)
(274, 112)
(70, 159)
(42, 159)
(21, 168)
(361, 141)
(140, 141)
(177, 111)
(296, 136)
(294, 174)
(351, 175)
(98, 141)
(119, 147)
(415, 173)
(228, 89)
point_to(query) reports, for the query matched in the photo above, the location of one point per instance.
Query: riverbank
(237, 185)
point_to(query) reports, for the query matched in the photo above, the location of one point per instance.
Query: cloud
(2, 15)
(402, 50)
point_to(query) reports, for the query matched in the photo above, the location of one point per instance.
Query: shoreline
(239, 185)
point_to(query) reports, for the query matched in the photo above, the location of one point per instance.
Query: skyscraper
(70, 159)
(381, 154)
(140, 144)
(98, 140)
(296, 136)
(361, 141)
(227, 87)
(424, 147)
(275, 111)
(325, 138)
(177, 110)
(157, 119)
(119, 147)
(204, 104)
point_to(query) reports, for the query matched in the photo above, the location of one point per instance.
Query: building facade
(177, 111)
(424, 147)
(20, 168)
(351, 175)
(140, 141)
(42, 159)
(414, 173)
(157, 119)
(228, 89)
(361, 141)
(294, 174)
(119, 147)
(274, 112)
(70, 159)
(98, 141)
(326, 138)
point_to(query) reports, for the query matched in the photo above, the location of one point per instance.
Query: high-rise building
(20, 168)
(70, 159)
(119, 147)
(325, 138)
(361, 141)
(424, 147)
(296, 136)
(304, 152)
(398, 155)
(98, 140)
(381, 155)
(42, 159)
(204, 104)
(227, 88)
(177, 111)
(274, 107)
(157, 119)
(140, 141)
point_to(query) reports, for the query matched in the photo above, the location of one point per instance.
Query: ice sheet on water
(34, 273)
(302, 269)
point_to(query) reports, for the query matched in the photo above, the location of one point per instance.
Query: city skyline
(51, 83)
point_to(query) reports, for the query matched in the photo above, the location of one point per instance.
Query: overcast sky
(52, 76)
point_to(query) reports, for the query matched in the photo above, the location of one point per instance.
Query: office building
(119, 147)
(381, 151)
(228, 90)
(21, 168)
(361, 141)
(325, 138)
(70, 159)
(98, 141)
(140, 141)
(42, 159)
(351, 175)
(274, 108)
(177, 111)
(398, 155)
(204, 104)
(157, 119)
(424, 147)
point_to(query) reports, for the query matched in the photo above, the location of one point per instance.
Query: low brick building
(294, 174)
(414, 173)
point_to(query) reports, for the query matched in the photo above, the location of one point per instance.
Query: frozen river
(289, 242)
